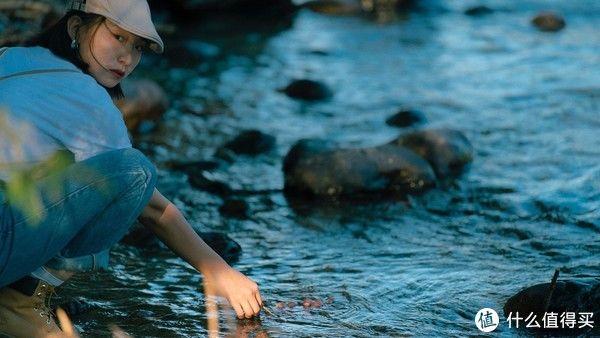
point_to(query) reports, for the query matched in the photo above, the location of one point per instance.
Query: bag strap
(32, 72)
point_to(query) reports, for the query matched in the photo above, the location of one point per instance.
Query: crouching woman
(70, 182)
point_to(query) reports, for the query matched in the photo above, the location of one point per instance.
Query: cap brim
(156, 44)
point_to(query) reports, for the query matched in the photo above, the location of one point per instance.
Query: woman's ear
(73, 26)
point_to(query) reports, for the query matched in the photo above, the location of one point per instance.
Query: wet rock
(548, 22)
(383, 11)
(202, 108)
(333, 7)
(251, 142)
(568, 296)
(405, 118)
(200, 181)
(144, 101)
(448, 151)
(478, 11)
(310, 303)
(234, 208)
(225, 154)
(141, 237)
(384, 169)
(370, 5)
(308, 90)
(305, 148)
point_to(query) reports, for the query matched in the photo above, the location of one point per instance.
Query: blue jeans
(87, 207)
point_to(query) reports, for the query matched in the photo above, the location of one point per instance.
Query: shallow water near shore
(529, 204)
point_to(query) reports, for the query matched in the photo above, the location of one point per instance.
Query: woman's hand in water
(240, 291)
(168, 223)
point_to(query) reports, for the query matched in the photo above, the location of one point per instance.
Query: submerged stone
(198, 180)
(405, 118)
(548, 22)
(478, 11)
(308, 90)
(235, 208)
(251, 142)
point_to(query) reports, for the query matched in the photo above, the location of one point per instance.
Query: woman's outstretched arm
(167, 222)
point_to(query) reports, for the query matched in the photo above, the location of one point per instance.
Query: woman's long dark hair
(56, 38)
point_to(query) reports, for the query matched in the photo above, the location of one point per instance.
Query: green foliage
(22, 188)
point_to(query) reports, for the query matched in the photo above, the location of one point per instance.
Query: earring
(74, 44)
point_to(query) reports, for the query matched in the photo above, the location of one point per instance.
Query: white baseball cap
(131, 15)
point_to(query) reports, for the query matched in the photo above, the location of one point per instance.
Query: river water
(529, 204)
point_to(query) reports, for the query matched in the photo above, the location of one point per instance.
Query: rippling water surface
(528, 101)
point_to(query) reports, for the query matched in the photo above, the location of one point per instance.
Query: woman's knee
(124, 161)
(141, 163)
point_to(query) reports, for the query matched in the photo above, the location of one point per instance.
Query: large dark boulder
(448, 151)
(305, 148)
(316, 170)
(576, 296)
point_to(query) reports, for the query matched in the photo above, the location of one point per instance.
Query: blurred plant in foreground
(21, 186)
(68, 330)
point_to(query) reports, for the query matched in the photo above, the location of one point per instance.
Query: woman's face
(111, 52)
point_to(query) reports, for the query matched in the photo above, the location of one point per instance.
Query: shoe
(25, 311)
